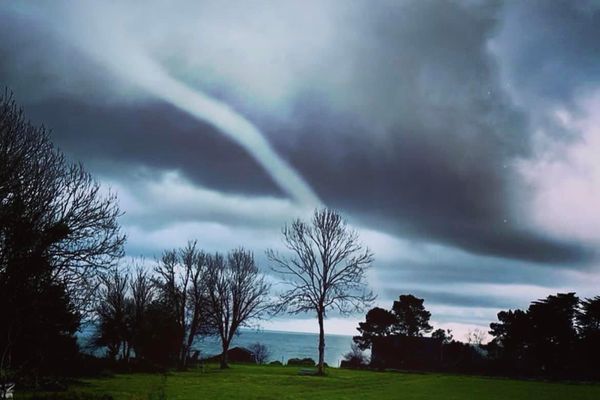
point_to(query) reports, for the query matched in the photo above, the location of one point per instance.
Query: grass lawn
(274, 382)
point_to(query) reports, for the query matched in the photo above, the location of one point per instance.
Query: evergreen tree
(412, 319)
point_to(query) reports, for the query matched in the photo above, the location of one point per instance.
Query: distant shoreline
(292, 332)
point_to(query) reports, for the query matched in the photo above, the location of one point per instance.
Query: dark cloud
(403, 122)
(423, 185)
(412, 117)
(466, 300)
(455, 271)
(442, 170)
(549, 50)
(153, 135)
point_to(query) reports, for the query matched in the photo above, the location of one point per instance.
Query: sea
(281, 345)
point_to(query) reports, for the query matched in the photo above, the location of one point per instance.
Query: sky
(460, 138)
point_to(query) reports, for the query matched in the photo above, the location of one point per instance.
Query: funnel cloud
(464, 154)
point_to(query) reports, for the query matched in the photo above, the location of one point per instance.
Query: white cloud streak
(100, 31)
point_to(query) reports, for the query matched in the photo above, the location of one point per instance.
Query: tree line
(408, 317)
(61, 250)
(58, 233)
(556, 337)
(193, 293)
(157, 317)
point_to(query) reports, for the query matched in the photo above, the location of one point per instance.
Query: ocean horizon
(282, 345)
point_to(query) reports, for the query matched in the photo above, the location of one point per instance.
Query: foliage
(51, 206)
(302, 362)
(412, 319)
(408, 317)
(40, 329)
(114, 316)
(588, 347)
(545, 338)
(356, 357)
(58, 234)
(142, 296)
(444, 335)
(158, 340)
(193, 294)
(378, 323)
(130, 318)
(588, 317)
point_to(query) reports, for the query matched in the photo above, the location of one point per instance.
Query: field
(273, 382)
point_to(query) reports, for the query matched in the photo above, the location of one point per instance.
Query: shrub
(260, 352)
(355, 358)
(304, 362)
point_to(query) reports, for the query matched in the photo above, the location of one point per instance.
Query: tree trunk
(321, 369)
(183, 357)
(224, 363)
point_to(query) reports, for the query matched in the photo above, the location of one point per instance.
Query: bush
(304, 362)
(356, 358)
(260, 352)
(278, 363)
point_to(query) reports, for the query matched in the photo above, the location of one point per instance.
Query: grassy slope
(270, 382)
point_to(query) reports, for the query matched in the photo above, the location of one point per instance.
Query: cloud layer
(458, 136)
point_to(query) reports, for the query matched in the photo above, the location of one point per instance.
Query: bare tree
(142, 289)
(237, 294)
(58, 236)
(476, 337)
(327, 269)
(142, 293)
(113, 312)
(260, 352)
(93, 241)
(68, 218)
(181, 283)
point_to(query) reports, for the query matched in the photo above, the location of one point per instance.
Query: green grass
(273, 382)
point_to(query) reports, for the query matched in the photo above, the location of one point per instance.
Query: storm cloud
(427, 123)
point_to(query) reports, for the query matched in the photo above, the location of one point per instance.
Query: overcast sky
(461, 139)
